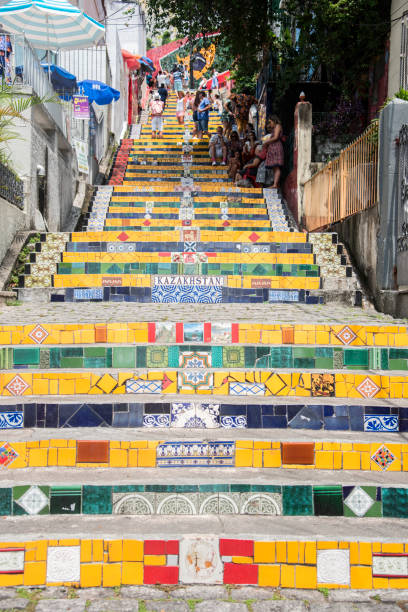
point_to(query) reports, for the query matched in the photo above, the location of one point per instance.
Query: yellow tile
(324, 460)
(147, 457)
(272, 458)
(243, 457)
(37, 457)
(293, 552)
(398, 583)
(257, 461)
(86, 551)
(118, 458)
(269, 575)
(67, 457)
(361, 577)
(244, 444)
(107, 383)
(155, 559)
(11, 579)
(35, 573)
(97, 550)
(242, 560)
(354, 556)
(132, 550)
(366, 557)
(91, 575)
(287, 576)
(306, 577)
(380, 583)
(325, 545)
(351, 460)
(392, 548)
(132, 572)
(115, 550)
(58, 443)
(281, 552)
(112, 573)
(264, 552)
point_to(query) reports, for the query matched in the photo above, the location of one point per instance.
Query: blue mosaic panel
(381, 422)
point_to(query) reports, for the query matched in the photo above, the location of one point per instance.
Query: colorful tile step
(177, 294)
(198, 499)
(196, 415)
(60, 453)
(205, 332)
(191, 356)
(203, 381)
(296, 563)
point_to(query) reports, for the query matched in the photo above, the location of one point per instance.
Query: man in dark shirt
(163, 93)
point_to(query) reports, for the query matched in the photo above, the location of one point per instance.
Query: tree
(149, 44)
(166, 38)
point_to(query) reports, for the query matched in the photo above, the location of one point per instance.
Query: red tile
(237, 548)
(155, 547)
(240, 573)
(172, 547)
(159, 574)
(179, 332)
(207, 332)
(151, 332)
(234, 332)
(298, 453)
(92, 451)
(288, 335)
(101, 333)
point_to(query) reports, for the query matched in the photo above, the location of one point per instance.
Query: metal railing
(33, 74)
(345, 185)
(11, 187)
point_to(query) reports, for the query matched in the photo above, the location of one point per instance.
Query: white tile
(200, 561)
(63, 563)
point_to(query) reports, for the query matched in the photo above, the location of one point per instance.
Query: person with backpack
(156, 110)
(163, 93)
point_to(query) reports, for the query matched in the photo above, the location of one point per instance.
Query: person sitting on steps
(218, 147)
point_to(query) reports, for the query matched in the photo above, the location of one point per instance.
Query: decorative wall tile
(92, 451)
(143, 386)
(200, 561)
(333, 566)
(7, 455)
(361, 501)
(63, 563)
(31, 499)
(11, 420)
(395, 566)
(298, 453)
(12, 560)
(232, 421)
(238, 388)
(195, 454)
(382, 422)
(383, 457)
(156, 420)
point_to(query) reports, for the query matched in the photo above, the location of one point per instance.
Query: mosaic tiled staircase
(169, 227)
(293, 409)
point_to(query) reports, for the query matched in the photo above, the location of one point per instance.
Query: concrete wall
(398, 8)
(12, 221)
(359, 234)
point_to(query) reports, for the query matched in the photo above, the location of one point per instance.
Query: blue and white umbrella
(51, 24)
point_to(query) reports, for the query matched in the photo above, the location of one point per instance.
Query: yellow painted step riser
(175, 236)
(233, 223)
(248, 333)
(162, 210)
(169, 382)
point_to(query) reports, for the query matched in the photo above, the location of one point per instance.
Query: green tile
(356, 357)
(156, 357)
(250, 356)
(96, 500)
(374, 511)
(322, 363)
(55, 357)
(71, 362)
(95, 351)
(266, 488)
(65, 500)
(216, 357)
(95, 362)
(216, 488)
(234, 357)
(6, 358)
(398, 364)
(297, 500)
(395, 502)
(124, 357)
(384, 359)
(5, 501)
(141, 357)
(26, 356)
(304, 363)
(72, 351)
(300, 352)
(328, 500)
(129, 489)
(240, 488)
(18, 493)
(323, 351)
(173, 353)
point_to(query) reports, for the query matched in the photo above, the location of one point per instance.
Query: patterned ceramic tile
(359, 501)
(143, 386)
(11, 420)
(156, 420)
(333, 566)
(238, 388)
(17, 386)
(194, 359)
(7, 455)
(383, 422)
(368, 388)
(383, 457)
(195, 379)
(32, 499)
(38, 334)
(195, 454)
(231, 422)
(389, 565)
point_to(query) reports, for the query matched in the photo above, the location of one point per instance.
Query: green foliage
(22, 259)
(13, 105)
(166, 38)
(343, 36)
(149, 44)
(402, 94)
(324, 591)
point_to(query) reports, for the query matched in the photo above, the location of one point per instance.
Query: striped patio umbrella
(51, 24)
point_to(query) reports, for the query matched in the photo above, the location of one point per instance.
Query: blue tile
(339, 423)
(356, 418)
(254, 419)
(274, 421)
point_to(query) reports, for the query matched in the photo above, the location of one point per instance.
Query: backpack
(156, 107)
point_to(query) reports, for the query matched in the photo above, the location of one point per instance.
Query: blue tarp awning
(98, 92)
(63, 81)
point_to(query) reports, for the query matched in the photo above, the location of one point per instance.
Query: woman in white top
(180, 107)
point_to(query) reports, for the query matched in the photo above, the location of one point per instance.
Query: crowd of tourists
(252, 161)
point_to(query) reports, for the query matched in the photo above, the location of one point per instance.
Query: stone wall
(13, 220)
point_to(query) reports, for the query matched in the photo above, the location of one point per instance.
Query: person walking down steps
(156, 110)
